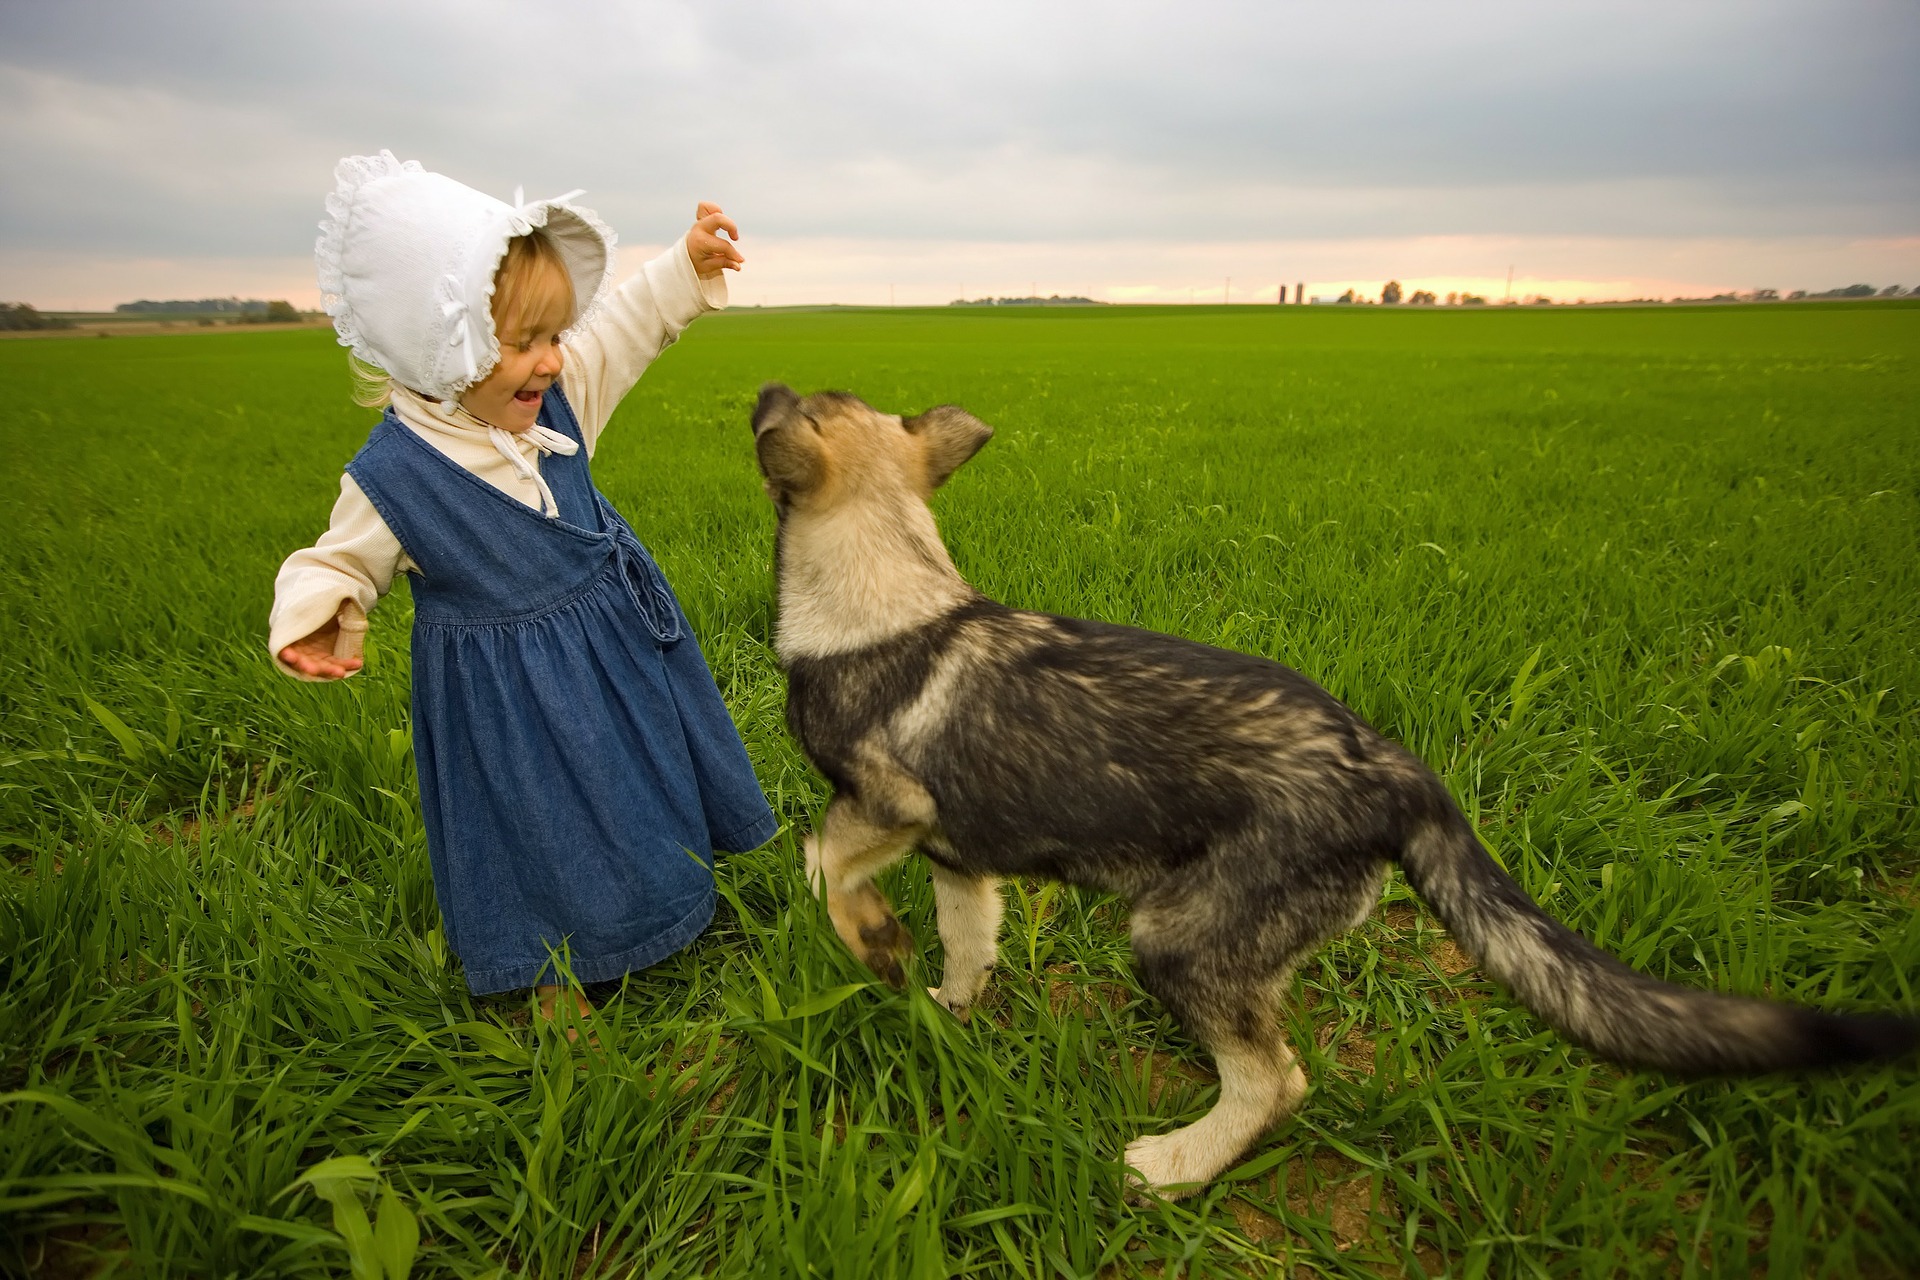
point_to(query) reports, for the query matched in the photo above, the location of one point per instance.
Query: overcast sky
(1134, 151)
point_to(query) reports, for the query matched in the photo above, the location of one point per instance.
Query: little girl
(577, 766)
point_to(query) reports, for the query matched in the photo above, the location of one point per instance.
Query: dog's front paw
(1165, 1167)
(961, 1009)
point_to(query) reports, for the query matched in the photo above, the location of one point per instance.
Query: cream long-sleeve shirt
(358, 556)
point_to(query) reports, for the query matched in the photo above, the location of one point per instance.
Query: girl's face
(530, 359)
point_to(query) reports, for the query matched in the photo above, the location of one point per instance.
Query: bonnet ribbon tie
(547, 442)
(459, 334)
(521, 220)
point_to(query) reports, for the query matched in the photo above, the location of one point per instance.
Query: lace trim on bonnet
(329, 251)
(349, 176)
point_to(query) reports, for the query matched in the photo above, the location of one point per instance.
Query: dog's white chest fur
(859, 575)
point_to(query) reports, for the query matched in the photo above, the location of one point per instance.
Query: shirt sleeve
(638, 321)
(355, 559)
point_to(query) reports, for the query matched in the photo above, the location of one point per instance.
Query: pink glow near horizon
(788, 272)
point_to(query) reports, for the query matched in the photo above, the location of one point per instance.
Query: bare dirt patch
(1359, 1213)
(1162, 1072)
(1068, 989)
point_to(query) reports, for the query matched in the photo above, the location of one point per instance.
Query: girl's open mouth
(527, 397)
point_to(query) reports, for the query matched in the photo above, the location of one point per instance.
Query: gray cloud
(204, 128)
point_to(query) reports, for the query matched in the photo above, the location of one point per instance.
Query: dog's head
(832, 448)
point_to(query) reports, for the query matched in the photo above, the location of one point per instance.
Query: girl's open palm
(322, 654)
(711, 253)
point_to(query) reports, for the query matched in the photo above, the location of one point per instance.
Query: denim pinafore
(577, 765)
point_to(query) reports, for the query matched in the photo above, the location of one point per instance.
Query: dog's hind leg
(1260, 1085)
(843, 857)
(969, 908)
(1231, 1005)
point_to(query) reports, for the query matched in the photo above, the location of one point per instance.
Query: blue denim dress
(577, 765)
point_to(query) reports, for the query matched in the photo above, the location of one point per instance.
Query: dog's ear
(787, 443)
(776, 401)
(952, 434)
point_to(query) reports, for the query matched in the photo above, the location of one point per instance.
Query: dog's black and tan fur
(1246, 814)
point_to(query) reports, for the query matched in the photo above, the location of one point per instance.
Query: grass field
(1642, 585)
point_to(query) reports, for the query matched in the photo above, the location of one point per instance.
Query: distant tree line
(248, 310)
(1855, 291)
(1054, 300)
(203, 306)
(21, 315)
(1393, 295)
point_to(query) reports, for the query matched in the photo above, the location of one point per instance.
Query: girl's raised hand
(711, 253)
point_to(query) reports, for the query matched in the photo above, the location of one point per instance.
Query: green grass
(1641, 584)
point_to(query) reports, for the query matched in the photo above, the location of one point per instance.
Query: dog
(1246, 813)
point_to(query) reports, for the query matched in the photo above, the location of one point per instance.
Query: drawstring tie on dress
(647, 587)
(547, 442)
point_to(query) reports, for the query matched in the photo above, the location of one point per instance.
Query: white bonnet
(407, 260)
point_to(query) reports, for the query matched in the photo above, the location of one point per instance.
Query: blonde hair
(532, 284)
(372, 385)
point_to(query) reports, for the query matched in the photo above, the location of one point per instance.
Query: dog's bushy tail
(1618, 1013)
